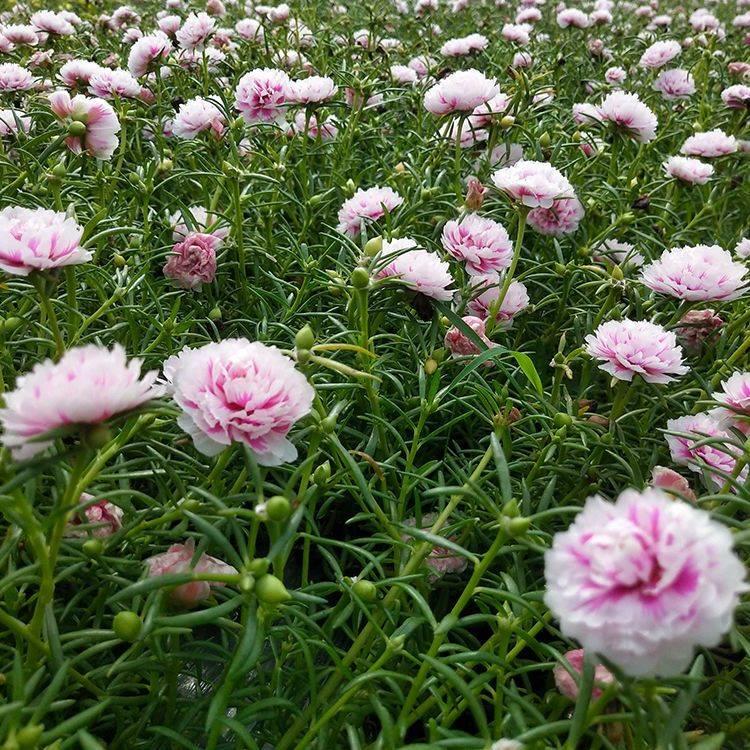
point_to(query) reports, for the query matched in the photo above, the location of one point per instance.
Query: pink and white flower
(195, 31)
(626, 348)
(102, 126)
(735, 399)
(239, 391)
(198, 116)
(515, 301)
(660, 53)
(533, 183)
(50, 22)
(675, 84)
(644, 581)
(77, 73)
(460, 344)
(462, 91)
(13, 121)
(366, 206)
(696, 274)
(147, 52)
(178, 559)
(670, 481)
(737, 96)
(563, 217)
(483, 244)
(691, 171)
(710, 144)
(263, 94)
(88, 386)
(629, 114)
(192, 261)
(418, 269)
(312, 90)
(14, 77)
(38, 240)
(572, 17)
(108, 84)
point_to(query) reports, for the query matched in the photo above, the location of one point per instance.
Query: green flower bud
(120, 261)
(10, 324)
(518, 526)
(545, 140)
(303, 356)
(215, 314)
(373, 246)
(430, 366)
(271, 590)
(60, 170)
(305, 338)
(561, 419)
(507, 121)
(511, 509)
(247, 583)
(28, 737)
(322, 474)
(77, 129)
(127, 626)
(97, 436)
(360, 278)
(278, 508)
(259, 566)
(93, 547)
(617, 273)
(365, 590)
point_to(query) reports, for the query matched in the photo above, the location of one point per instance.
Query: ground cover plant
(374, 375)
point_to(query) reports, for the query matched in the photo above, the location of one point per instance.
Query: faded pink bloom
(626, 348)
(195, 31)
(660, 53)
(572, 17)
(22, 35)
(312, 90)
(629, 114)
(263, 94)
(250, 29)
(518, 33)
(643, 581)
(239, 391)
(569, 684)
(533, 183)
(102, 126)
(737, 96)
(421, 65)
(709, 144)
(403, 75)
(735, 397)
(529, 15)
(168, 25)
(522, 60)
(52, 23)
(441, 560)
(418, 269)
(475, 193)
(483, 244)
(77, 73)
(366, 206)
(200, 221)
(742, 249)
(739, 68)
(692, 171)
(615, 75)
(515, 301)
(198, 116)
(697, 274)
(670, 481)
(465, 45)
(675, 84)
(563, 217)
(621, 253)
(698, 326)
(11, 122)
(38, 240)
(105, 517)
(460, 344)
(193, 261)
(108, 84)
(14, 77)
(178, 559)
(327, 129)
(88, 386)
(462, 91)
(710, 451)
(357, 99)
(147, 52)
(506, 156)
(586, 114)
(485, 113)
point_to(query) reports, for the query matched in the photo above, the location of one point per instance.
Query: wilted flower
(263, 94)
(628, 113)
(643, 581)
(483, 244)
(670, 481)
(709, 450)
(563, 217)
(475, 193)
(460, 344)
(105, 517)
(569, 684)
(38, 240)
(462, 91)
(88, 386)
(102, 126)
(698, 326)
(710, 144)
(198, 116)
(533, 183)
(692, 171)
(192, 261)
(366, 205)
(239, 391)
(701, 273)
(178, 559)
(636, 347)
(441, 560)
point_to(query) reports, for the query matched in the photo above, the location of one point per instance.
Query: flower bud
(259, 566)
(511, 509)
(97, 436)
(302, 356)
(28, 737)
(430, 366)
(360, 278)
(278, 508)
(120, 261)
(59, 170)
(544, 140)
(10, 324)
(517, 526)
(322, 474)
(270, 590)
(617, 273)
(365, 590)
(561, 419)
(507, 121)
(93, 547)
(77, 129)
(305, 338)
(350, 188)
(127, 626)
(215, 314)
(373, 246)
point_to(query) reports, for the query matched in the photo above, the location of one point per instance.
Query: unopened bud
(305, 338)
(373, 246)
(430, 366)
(360, 278)
(271, 590)
(77, 129)
(278, 508)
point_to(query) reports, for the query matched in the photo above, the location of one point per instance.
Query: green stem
(39, 282)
